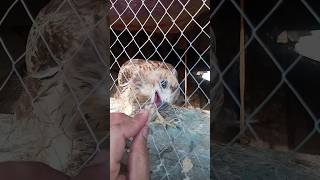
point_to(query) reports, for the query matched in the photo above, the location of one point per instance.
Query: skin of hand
(123, 127)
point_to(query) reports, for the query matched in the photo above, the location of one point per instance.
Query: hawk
(61, 116)
(145, 84)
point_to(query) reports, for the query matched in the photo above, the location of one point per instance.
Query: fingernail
(145, 132)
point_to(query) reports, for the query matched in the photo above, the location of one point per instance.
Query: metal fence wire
(59, 116)
(162, 31)
(167, 32)
(259, 20)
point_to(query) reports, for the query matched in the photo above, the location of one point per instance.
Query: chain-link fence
(174, 37)
(271, 101)
(53, 89)
(53, 92)
(164, 31)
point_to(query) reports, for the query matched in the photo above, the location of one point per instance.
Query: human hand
(123, 127)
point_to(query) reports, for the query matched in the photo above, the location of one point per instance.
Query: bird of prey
(63, 109)
(145, 84)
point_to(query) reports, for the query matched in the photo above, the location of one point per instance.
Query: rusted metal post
(242, 71)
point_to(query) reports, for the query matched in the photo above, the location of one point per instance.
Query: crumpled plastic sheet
(181, 152)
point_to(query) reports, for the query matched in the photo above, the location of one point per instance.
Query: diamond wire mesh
(139, 51)
(152, 30)
(78, 97)
(254, 36)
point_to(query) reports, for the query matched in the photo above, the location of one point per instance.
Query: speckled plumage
(139, 80)
(65, 85)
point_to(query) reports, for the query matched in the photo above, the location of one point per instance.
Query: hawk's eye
(163, 84)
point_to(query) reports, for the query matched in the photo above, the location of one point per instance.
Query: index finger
(138, 162)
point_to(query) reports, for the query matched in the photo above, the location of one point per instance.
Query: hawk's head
(159, 85)
(149, 81)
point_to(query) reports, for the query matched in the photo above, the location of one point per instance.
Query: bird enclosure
(175, 34)
(53, 82)
(269, 69)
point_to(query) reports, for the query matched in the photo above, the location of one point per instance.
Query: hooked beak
(157, 99)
